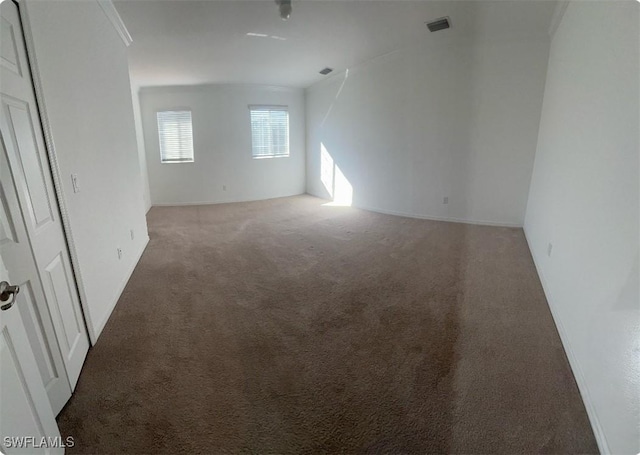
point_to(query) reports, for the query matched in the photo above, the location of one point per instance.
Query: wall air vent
(326, 71)
(439, 24)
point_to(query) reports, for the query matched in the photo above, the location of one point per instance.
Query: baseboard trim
(578, 374)
(229, 201)
(439, 218)
(361, 207)
(95, 333)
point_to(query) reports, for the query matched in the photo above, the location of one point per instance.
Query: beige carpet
(286, 326)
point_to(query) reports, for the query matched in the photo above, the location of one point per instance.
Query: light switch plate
(74, 182)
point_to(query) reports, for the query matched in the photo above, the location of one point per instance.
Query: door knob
(8, 295)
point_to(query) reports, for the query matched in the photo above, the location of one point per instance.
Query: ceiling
(185, 42)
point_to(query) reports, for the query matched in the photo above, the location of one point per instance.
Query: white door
(32, 241)
(25, 411)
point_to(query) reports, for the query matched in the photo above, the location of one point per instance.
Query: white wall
(222, 145)
(438, 119)
(142, 154)
(82, 62)
(584, 201)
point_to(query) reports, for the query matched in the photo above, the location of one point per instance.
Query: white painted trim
(369, 209)
(53, 160)
(598, 432)
(558, 13)
(112, 14)
(439, 218)
(228, 201)
(100, 325)
(208, 86)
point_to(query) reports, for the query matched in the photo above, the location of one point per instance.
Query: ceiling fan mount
(285, 8)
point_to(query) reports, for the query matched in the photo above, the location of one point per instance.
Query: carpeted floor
(286, 326)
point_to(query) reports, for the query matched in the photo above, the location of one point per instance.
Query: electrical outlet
(133, 236)
(549, 249)
(224, 187)
(74, 182)
(445, 200)
(119, 253)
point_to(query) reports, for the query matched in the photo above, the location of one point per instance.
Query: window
(176, 136)
(269, 131)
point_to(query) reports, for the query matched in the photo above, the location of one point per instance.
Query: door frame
(23, 10)
(112, 15)
(53, 161)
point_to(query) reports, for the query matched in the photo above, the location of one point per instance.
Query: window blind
(269, 131)
(176, 136)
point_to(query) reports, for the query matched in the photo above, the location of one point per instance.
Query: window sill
(269, 157)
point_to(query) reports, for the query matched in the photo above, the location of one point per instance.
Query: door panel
(67, 315)
(55, 326)
(9, 50)
(22, 135)
(33, 324)
(19, 119)
(32, 303)
(14, 380)
(24, 405)
(7, 231)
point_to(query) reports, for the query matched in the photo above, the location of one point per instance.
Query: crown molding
(558, 13)
(112, 14)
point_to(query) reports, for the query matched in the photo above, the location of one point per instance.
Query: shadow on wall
(377, 147)
(443, 130)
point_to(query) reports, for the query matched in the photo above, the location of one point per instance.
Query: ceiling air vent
(438, 24)
(326, 71)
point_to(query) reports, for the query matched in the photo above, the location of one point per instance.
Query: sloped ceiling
(183, 42)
